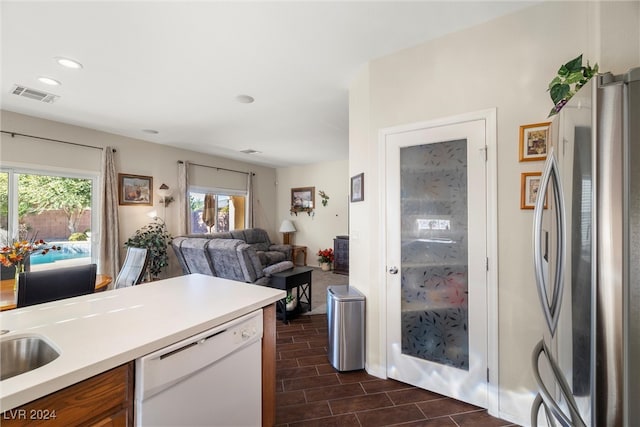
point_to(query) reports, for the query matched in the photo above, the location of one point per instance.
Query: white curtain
(109, 238)
(250, 200)
(183, 198)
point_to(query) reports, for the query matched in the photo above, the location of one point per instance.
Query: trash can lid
(345, 293)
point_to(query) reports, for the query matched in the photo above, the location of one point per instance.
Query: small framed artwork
(135, 190)
(529, 189)
(357, 188)
(534, 141)
(303, 199)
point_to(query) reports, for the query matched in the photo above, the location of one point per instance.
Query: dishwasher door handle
(188, 346)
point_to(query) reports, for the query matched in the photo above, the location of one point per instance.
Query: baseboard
(516, 407)
(376, 370)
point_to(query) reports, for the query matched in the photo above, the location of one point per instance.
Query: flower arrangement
(573, 73)
(17, 253)
(325, 255)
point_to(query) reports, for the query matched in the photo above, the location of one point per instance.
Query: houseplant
(325, 258)
(155, 237)
(570, 78)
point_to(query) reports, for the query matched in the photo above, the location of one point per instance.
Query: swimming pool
(69, 250)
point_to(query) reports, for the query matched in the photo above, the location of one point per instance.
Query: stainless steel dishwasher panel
(211, 379)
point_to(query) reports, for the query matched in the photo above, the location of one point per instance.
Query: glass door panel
(433, 203)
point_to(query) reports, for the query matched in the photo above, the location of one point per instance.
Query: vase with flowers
(17, 253)
(325, 258)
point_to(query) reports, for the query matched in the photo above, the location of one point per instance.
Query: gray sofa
(258, 239)
(228, 258)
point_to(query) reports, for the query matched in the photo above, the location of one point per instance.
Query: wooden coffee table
(299, 278)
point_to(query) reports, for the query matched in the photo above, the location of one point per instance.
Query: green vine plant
(571, 77)
(325, 198)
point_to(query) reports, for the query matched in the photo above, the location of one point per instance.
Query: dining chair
(134, 267)
(36, 287)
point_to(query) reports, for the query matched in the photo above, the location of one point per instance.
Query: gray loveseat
(222, 256)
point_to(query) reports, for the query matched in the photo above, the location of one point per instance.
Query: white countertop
(97, 332)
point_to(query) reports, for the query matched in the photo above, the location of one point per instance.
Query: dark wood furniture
(297, 250)
(103, 400)
(298, 278)
(341, 255)
(269, 385)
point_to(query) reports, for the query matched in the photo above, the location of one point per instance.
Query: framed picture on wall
(135, 190)
(534, 141)
(529, 189)
(357, 188)
(303, 199)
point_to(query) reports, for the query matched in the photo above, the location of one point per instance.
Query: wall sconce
(165, 195)
(286, 228)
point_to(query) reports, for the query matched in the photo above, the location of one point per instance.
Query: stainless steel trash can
(345, 317)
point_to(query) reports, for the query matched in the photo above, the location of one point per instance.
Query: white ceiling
(178, 66)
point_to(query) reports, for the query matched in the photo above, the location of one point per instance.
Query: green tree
(4, 200)
(195, 203)
(39, 193)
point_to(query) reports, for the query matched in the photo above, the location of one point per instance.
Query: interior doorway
(439, 240)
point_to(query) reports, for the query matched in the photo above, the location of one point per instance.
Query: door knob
(393, 270)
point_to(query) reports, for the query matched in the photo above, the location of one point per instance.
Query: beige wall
(133, 157)
(506, 63)
(316, 231)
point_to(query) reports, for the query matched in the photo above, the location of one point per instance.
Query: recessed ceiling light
(245, 99)
(68, 63)
(151, 131)
(49, 81)
(250, 151)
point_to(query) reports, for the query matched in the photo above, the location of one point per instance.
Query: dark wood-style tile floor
(310, 392)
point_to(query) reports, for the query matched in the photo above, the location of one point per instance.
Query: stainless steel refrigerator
(587, 260)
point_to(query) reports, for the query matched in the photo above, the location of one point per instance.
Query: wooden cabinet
(103, 400)
(341, 255)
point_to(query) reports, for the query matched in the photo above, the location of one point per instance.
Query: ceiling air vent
(250, 151)
(38, 95)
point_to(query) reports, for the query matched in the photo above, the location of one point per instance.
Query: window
(58, 208)
(216, 210)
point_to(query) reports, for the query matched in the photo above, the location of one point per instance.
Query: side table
(299, 278)
(297, 250)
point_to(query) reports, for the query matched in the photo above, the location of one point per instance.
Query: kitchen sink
(23, 354)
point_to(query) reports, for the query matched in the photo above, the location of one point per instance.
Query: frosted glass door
(436, 256)
(434, 282)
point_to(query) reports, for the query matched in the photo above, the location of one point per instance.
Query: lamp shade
(164, 191)
(287, 227)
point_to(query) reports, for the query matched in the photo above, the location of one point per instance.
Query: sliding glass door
(58, 208)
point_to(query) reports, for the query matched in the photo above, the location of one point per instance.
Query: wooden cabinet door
(107, 397)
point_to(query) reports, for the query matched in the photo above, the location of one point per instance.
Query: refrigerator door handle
(544, 397)
(550, 307)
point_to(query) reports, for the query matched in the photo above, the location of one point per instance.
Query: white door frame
(490, 118)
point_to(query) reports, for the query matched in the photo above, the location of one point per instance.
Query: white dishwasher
(211, 379)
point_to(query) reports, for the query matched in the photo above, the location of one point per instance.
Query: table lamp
(286, 228)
